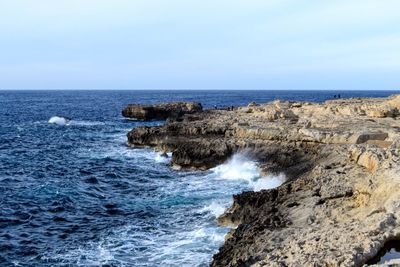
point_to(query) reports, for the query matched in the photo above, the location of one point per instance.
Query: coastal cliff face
(341, 200)
(160, 111)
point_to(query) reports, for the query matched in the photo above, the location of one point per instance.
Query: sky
(200, 44)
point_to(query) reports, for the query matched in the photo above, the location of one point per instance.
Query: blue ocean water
(77, 195)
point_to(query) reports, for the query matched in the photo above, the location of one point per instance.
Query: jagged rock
(160, 111)
(340, 203)
(394, 101)
(252, 104)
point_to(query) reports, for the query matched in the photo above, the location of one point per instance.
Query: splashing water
(216, 208)
(58, 120)
(268, 182)
(238, 167)
(241, 167)
(78, 196)
(163, 157)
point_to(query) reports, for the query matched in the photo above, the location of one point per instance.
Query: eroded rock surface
(341, 202)
(160, 111)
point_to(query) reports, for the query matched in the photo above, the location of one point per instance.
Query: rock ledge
(341, 202)
(160, 111)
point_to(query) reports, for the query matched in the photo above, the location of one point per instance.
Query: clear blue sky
(200, 44)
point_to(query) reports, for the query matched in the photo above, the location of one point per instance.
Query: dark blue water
(77, 195)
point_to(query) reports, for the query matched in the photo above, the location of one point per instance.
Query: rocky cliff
(160, 111)
(341, 202)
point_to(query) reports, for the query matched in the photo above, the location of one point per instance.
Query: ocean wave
(210, 234)
(238, 167)
(59, 120)
(123, 152)
(241, 167)
(91, 255)
(216, 208)
(163, 157)
(86, 123)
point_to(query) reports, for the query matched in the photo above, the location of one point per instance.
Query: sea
(73, 193)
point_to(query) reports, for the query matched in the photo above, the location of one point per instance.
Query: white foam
(59, 120)
(238, 167)
(104, 255)
(268, 182)
(215, 208)
(85, 256)
(163, 157)
(65, 121)
(87, 123)
(208, 233)
(196, 241)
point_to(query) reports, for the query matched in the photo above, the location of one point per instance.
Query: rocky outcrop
(341, 202)
(160, 111)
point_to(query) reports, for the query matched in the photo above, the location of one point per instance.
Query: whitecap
(59, 120)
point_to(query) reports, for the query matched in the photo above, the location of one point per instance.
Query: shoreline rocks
(160, 111)
(341, 202)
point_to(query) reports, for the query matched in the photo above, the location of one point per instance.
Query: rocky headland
(341, 202)
(160, 111)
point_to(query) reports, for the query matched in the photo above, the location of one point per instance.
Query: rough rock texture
(341, 201)
(160, 111)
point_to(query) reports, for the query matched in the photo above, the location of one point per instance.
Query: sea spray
(243, 171)
(163, 157)
(216, 208)
(76, 163)
(238, 167)
(241, 167)
(59, 120)
(268, 182)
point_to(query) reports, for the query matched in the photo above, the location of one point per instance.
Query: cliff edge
(161, 111)
(341, 201)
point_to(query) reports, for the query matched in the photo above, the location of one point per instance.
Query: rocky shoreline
(341, 201)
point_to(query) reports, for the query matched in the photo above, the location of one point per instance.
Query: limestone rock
(160, 111)
(340, 203)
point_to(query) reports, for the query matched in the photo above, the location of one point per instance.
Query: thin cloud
(277, 44)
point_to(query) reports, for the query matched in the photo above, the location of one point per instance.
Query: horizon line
(187, 89)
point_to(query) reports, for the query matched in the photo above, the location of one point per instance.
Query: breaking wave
(78, 196)
(216, 208)
(238, 167)
(163, 157)
(241, 167)
(59, 120)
